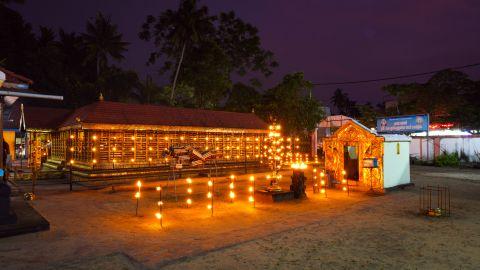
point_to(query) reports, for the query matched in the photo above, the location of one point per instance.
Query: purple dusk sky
(337, 40)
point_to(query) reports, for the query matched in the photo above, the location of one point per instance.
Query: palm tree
(176, 31)
(103, 41)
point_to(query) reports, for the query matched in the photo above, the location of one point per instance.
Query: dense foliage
(447, 160)
(199, 52)
(204, 51)
(448, 96)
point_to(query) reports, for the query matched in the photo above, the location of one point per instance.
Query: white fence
(469, 145)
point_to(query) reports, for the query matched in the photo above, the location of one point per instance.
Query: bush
(447, 160)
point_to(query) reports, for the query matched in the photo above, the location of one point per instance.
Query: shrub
(447, 160)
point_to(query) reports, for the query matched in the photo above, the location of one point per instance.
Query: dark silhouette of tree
(205, 50)
(343, 104)
(444, 96)
(103, 41)
(173, 30)
(242, 98)
(287, 104)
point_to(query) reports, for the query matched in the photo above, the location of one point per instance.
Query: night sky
(328, 40)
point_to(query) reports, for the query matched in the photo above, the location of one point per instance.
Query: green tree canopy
(443, 96)
(242, 98)
(203, 51)
(288, 105)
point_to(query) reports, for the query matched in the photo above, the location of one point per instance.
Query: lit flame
(299, 166)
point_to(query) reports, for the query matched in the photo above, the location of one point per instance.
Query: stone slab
(28, 220)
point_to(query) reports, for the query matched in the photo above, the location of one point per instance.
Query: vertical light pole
(189, 191)
(71, 174)
(323, 184)
(231, 187)
(251, 190)
(314, 180)
(345, 183)
(210, 195)
(137, 196)
(159, 214)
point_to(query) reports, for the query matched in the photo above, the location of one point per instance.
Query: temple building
(113, 136)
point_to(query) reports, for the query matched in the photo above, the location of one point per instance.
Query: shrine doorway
(350, 162)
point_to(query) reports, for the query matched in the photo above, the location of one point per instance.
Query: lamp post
(251, 190)
(231, 187)
(159, 214)
(137, 196)
(210, 195)
(189, 191)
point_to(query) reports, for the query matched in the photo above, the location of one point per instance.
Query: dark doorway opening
(350, 159)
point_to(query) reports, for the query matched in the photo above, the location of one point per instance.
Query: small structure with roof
(372, 160)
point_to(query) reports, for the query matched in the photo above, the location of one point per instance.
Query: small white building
(378, 160)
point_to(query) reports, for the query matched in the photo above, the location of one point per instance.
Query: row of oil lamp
(188, 201)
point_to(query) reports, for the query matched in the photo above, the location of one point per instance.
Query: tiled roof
(37, 117)
(106, 112)
(15, 78)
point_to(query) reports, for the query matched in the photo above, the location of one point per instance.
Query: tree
(103, 41)
(288, 105)
(344, 105)
(183, 98)
(368, 115)
(242, 98)
(17, 41)
(148, 91)
(206, 50)
(443, 96)
(172, 31)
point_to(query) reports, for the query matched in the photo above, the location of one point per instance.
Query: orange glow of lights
(159, 188)
(189, 201)
(158, 215)
(139, 184)
(137, 194)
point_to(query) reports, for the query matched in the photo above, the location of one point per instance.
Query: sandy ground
(98, 230)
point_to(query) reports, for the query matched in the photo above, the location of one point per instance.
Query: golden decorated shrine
(346, 149)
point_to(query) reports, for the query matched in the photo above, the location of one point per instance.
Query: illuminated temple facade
(113, 135)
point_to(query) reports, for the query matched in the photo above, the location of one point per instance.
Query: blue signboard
(403, 124)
